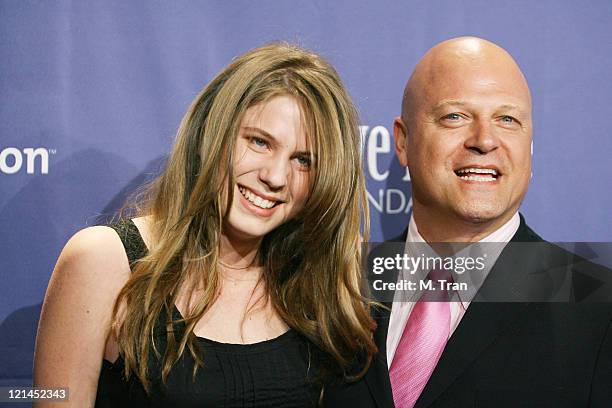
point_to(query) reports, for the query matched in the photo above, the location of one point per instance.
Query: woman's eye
(259, 142)
(304, 161)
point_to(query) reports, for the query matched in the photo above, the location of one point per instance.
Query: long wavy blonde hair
(311, 263)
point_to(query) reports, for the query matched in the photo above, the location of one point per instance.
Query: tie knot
(436, 286)
(440, 274)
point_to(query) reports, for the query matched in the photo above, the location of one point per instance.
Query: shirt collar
(502, 234)
(496, 242)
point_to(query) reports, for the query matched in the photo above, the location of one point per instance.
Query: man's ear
(400, 134)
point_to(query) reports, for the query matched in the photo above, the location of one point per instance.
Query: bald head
(465, 135)
(459, 59)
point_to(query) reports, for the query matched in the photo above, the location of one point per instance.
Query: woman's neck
(239, 256)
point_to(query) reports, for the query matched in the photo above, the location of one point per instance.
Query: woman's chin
(246, 230)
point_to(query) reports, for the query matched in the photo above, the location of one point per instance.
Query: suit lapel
(481, 325)
(483, 322)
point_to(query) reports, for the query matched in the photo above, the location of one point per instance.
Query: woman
(237, 283)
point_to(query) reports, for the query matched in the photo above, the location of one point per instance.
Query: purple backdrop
(91, 94)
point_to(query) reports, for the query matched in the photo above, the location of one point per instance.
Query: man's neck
(436, 228)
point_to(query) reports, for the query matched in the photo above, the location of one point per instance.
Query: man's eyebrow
(448, 102)
(456, 102)
(510, 107)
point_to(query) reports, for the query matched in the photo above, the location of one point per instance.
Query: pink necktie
(421, 345)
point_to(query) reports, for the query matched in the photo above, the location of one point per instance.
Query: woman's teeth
(255, 199)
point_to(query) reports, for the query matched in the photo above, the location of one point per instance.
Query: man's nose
(483, 138)
(275, 173)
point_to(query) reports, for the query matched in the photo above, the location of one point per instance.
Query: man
(465, 134)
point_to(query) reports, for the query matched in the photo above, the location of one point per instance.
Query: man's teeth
(478, 170)
(477, 174)
(255, 199)
(477, 178)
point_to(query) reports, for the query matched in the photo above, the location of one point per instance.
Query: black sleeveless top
(275, 373)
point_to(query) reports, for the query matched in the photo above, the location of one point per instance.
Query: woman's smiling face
(272, 169)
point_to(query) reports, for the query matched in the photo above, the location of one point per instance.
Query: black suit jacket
(514, 354)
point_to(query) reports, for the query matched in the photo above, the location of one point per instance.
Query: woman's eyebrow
(269, 135)
(260, 131)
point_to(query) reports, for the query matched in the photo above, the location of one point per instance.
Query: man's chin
(481, 213)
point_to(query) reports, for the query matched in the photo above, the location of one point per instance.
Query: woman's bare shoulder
(145, 228)
(95, 249)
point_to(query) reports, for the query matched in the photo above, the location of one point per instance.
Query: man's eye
(452, 116)
(452, 120)
(509, 122)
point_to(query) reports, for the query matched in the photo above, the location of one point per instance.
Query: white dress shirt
(400, 312)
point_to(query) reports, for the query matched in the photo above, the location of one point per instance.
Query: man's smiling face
(468, 137)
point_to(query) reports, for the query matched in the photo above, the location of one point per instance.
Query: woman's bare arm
(76, 315)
